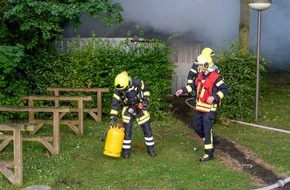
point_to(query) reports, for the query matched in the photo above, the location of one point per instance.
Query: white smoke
(210, 20)
(214, 22)
(275, 30)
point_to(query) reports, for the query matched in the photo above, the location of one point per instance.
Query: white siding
(184, 58)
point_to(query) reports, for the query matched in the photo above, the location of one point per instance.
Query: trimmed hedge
(96, 64)
(239, 72)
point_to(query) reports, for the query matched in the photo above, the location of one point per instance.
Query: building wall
(183, 59)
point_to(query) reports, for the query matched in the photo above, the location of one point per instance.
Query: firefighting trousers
(143, 119)
(203, 124)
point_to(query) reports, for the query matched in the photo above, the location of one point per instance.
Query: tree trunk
(244, 28)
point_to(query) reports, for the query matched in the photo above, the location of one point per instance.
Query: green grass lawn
(81, 163)
(271, 146)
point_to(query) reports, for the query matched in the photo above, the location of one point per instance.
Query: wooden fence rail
(53, 146)
(96, 112)
(13, 170)
(75, 125)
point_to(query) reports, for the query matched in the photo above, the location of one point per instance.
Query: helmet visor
(120, 87)
(203, 66)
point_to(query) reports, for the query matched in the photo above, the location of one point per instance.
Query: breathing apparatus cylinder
(114, 141)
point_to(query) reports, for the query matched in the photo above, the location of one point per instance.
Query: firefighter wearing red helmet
(131, 97)
(210, 89)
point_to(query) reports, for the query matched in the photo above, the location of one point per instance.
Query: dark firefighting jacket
(192, 74)
(136, 92)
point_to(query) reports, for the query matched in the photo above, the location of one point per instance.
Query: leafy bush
(10, 58)
(96, 64)
(239, 72)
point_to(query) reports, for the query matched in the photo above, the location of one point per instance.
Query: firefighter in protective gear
(131, 97)
(210, 89)
(194, 69)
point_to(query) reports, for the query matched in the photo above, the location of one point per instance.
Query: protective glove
(145, 106)
(112, 121)
(132, 111)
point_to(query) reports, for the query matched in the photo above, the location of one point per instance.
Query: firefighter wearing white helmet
(131, 97)
(210, 89)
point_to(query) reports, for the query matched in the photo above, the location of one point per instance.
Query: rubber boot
(206, 158)
(126, 153)
(151, 151)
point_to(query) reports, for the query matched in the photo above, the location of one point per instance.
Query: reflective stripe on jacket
(206, 86)
(129, 97)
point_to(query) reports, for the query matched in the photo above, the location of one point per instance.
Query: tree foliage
(35, 23)
(27, 28)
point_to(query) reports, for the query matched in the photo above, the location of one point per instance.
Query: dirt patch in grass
(230, 153)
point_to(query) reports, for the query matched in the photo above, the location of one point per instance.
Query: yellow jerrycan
(114, 141)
